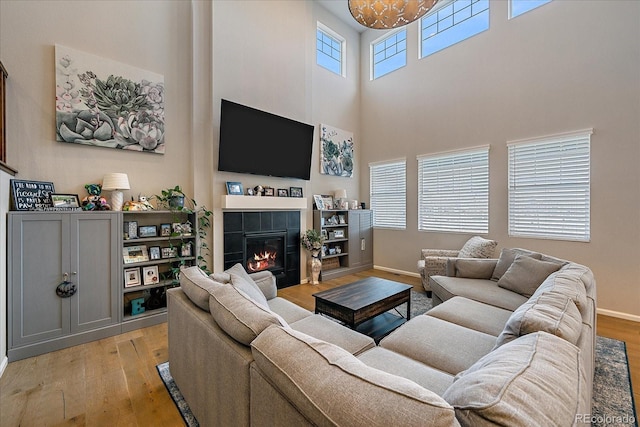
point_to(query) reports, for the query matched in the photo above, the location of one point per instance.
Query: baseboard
(3, 364)
(393, 270)
(625, 316)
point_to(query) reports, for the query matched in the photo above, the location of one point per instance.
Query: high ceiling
(340, 8)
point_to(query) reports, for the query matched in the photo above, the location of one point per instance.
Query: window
(453, 191)
(330, 50)
(388, 190)
(549, 182)
(389, 53)
(518, 7)
(451, 23)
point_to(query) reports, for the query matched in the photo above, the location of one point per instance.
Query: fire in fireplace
(264, 252)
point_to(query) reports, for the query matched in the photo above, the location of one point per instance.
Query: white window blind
(549, 187)
(453, 191)
(388, 192)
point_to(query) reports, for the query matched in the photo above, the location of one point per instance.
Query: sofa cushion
(486, 291)
(568, 282)
(239, 315)
(196, 284)
(332, 332)
(289, 311)
(472, 314)
(240, 279)
(507, 255)
(440, 344)
(221, 277)
(550, 312)
(473, 268)
(478, 247)
(536, 380)
(330, 386)
(526, 273)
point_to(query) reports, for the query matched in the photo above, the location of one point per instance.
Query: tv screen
(260, 143)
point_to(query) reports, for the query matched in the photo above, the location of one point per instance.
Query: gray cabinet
(44, 249)
(349, 244)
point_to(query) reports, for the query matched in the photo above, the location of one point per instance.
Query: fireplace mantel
(263, 203)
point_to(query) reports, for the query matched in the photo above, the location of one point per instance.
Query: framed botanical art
(336, 151)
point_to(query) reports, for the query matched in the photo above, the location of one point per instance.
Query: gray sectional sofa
(510, 342)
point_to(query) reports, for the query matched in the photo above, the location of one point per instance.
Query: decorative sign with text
(31, 195)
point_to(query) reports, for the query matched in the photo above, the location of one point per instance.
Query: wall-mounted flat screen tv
(261, 143)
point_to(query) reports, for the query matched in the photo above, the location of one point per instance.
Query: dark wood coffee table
(364, 305)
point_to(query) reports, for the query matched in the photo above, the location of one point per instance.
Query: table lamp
(115, 182)
(340, 196)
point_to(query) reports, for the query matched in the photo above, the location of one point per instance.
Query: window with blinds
(453, 191)
(549, 187)
(388, 192)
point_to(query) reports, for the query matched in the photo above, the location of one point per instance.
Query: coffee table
(364, 305)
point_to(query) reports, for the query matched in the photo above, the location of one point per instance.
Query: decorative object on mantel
(115, 182)
(234, 188)
(386, 14)
(31, 195)
(97, 105)
(295, 191)
(94, 201)
(66, 202)
(336, 151)
(312, 241)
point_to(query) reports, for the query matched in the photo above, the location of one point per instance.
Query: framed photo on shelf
(341, 219)
(147, 231)
(324, 234)
(269, 191)
(338, 234)
(169, 252)
(131, 254)
(295, 191)
(319, 201)
(65, 201)
(283, 192)
(131, 277)
(165, 230)
(150, 275)
(234, 188)
(328, 201)
(185, 250)
(154, 252)
(131, 229)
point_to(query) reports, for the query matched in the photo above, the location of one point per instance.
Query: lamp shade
(385, 14)
(115, 181)
(340, 194)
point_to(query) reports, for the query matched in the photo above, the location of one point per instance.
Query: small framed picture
(295, 191)
(170, 252)
(319, 201)
(154, 252)
(131, 277)
(64, 200)
(328, 201)
(283, 192)
(234, 188)
(269, 191)
(165, 230)
(341, 219)
(133, 229)
(324, 234)
(131, 254)
(147, 231)
(185, 250)
(338, 234)
(150, 275)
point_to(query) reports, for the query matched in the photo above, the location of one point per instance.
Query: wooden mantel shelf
(263, 203)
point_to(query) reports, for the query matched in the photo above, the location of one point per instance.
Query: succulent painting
(337, 151)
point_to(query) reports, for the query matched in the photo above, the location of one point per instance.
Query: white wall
(568, 65)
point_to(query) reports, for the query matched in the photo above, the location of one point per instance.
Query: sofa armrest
(471, 268)
(439, 253)
(435, 266)
(266, 281)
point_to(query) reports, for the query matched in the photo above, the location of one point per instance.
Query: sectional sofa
(509, 342)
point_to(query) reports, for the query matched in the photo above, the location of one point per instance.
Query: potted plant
(312, 241)
(174, 200)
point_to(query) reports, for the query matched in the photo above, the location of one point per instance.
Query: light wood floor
(114, 381)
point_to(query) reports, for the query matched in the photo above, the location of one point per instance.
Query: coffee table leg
(409, 307)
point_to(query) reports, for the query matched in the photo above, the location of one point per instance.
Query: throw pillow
(478, 247)
(518, 383)
(526, 274)
(472, 268)
(196, 285)
(241, 279)
(239, 315)
(507, 256)
(221, 277)
(550, 312)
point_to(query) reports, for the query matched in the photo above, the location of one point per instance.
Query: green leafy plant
(168, 199)
(312, 240)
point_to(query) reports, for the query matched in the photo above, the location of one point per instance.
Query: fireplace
(266, 240)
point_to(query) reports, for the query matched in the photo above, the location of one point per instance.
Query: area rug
(612, 394)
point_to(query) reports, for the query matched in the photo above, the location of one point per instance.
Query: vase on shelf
(314, 266)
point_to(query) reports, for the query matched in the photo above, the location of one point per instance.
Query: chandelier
(385, 14)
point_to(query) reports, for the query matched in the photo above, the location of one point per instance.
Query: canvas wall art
(336, 151)
(105, 103)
